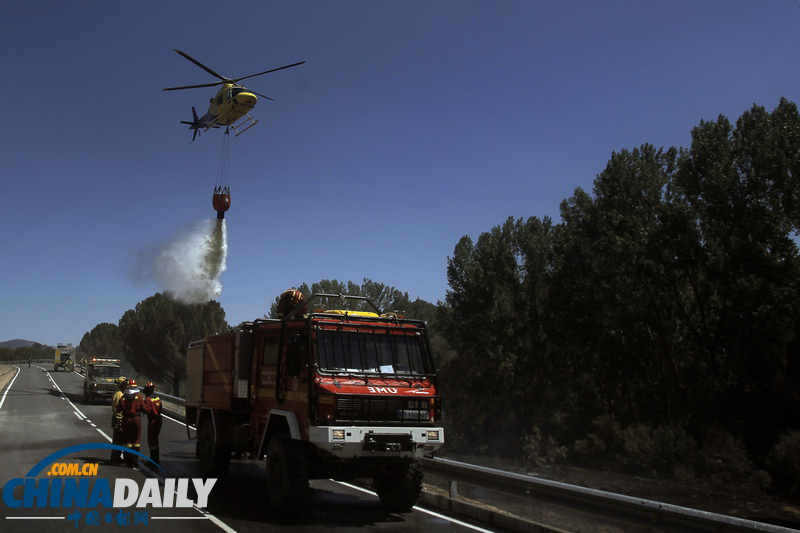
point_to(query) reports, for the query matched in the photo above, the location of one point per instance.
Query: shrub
(675, 451)
(666, 451)
(589, 451)
(726, 466)
(538, 450)
(784, 463)
(600, 447)
(638, 450)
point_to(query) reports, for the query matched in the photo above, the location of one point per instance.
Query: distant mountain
(17, 343)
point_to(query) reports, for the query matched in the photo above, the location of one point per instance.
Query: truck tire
(399, 486)
(214, 457)
(287, 474)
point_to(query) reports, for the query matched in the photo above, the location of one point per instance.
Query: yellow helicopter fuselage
(231, 103)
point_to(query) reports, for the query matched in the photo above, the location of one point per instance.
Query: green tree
(740, 185)
(156, 333)
(494, 322)
(612, 304)
(8, 354)
(103, 341)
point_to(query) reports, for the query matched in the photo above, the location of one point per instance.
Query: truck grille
(372, 409)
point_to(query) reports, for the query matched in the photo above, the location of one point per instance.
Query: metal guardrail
(173, 399)
(575, 496)
(536, 488)
(180, 402)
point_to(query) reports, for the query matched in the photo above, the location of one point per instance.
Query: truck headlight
(433, 434)
(337, 434)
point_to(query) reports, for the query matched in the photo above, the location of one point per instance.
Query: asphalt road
(42, 412)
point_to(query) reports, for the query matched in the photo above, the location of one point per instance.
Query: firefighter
(131, 406)
(154, 419)
(116, 419)
(288, 300)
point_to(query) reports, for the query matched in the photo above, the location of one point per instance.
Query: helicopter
(231, 103)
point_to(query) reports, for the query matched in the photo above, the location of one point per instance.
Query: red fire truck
(322, 395)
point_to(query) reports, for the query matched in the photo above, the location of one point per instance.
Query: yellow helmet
(290, 299)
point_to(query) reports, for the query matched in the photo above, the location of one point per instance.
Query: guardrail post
(454, 490)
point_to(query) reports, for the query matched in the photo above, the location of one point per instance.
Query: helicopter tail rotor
(194, 125)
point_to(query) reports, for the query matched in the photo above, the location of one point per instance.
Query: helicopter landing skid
(245, 120)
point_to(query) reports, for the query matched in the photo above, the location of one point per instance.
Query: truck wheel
(287, 474)
(89, 398)
(214, 458)
(399, 486)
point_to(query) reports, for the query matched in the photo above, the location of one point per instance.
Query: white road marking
(8, 388)
(36, 518)
(178, 518)
(420, 509)
(176, 421)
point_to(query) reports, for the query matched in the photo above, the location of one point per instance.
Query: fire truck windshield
(368, 352)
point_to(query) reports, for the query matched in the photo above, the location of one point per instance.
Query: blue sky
(412, 124)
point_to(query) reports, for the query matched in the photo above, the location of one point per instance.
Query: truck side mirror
(294, 364)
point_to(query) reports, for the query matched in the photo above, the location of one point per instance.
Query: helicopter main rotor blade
(266, 71)
(261, 95)
(194, 86)
(202, 66)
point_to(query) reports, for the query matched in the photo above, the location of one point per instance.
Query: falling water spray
(189, 265)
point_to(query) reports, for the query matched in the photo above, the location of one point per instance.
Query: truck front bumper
(348, 442)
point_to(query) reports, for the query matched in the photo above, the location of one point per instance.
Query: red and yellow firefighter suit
(154, 421)
(131, 404)
(116, 421)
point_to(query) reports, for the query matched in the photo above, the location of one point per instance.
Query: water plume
(188, 266)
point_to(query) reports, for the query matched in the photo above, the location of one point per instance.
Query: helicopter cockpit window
(219, 100)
